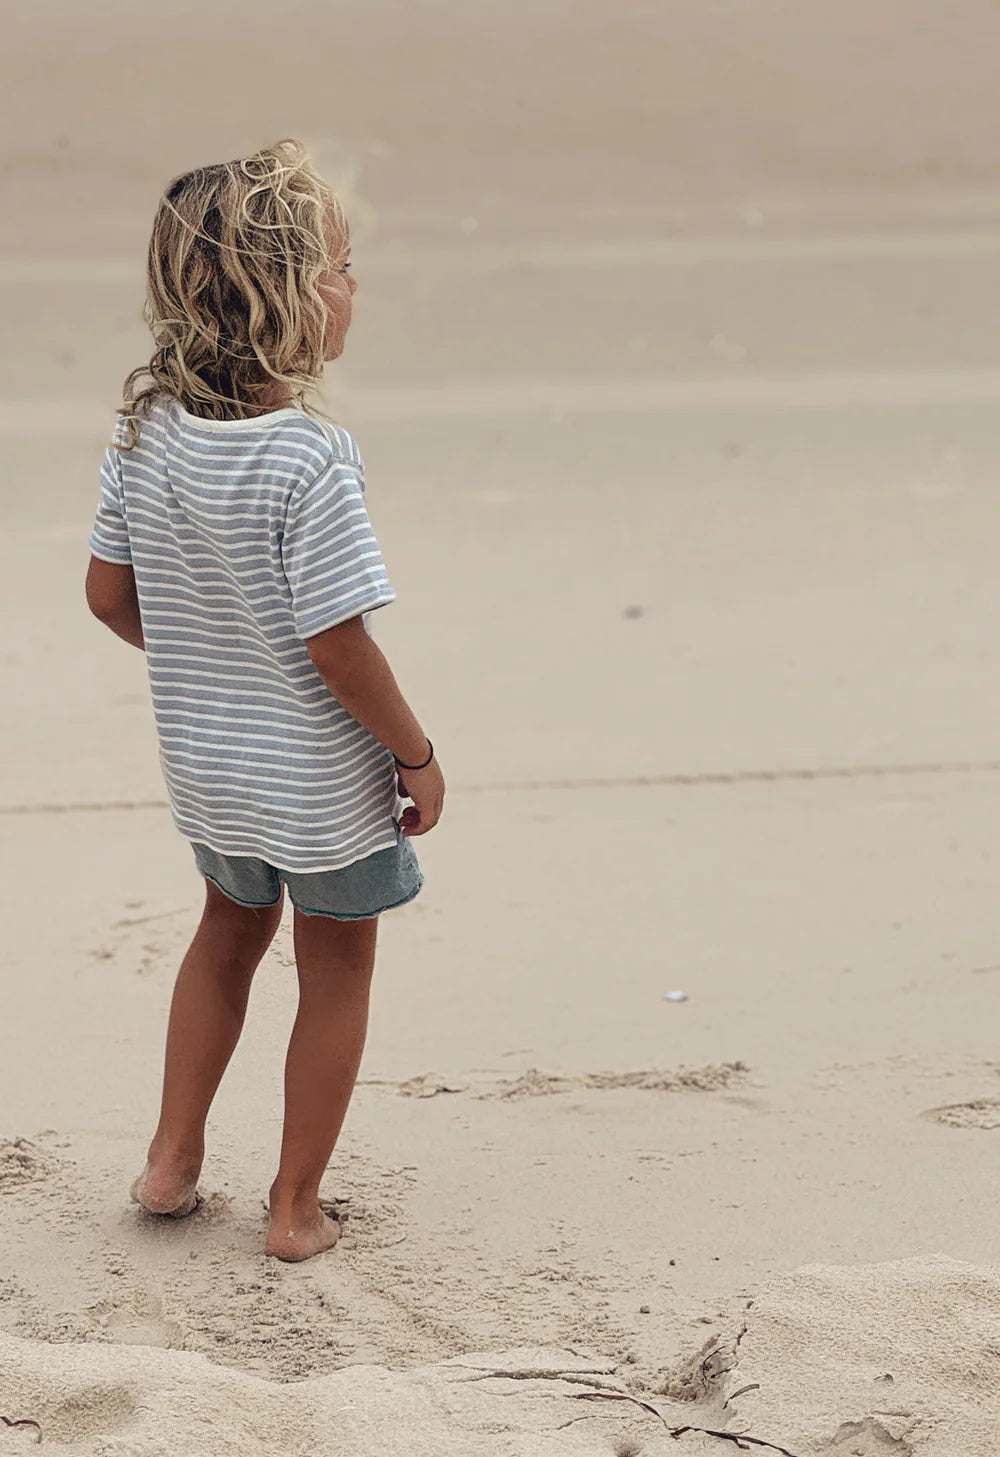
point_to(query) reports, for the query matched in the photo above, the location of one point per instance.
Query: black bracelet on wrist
(430, 756)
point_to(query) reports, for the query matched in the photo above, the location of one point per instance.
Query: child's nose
(352, 283)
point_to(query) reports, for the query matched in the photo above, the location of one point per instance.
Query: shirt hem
(260, 852)
(106, 554)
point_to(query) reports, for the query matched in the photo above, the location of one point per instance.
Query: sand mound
(894, 1360)
(101, 1400)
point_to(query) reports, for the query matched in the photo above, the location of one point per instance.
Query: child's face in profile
(337, 285)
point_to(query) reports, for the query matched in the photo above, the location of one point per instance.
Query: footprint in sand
(979, 1113)
(129, 1328)
(137, 1321)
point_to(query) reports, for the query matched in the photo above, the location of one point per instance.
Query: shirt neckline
(254, 422)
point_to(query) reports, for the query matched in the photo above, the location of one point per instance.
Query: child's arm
(355, 670)
(112, 598)
(335, 574)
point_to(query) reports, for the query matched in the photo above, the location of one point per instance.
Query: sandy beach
(676, 366)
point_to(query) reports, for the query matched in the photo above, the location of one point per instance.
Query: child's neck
(276, 398)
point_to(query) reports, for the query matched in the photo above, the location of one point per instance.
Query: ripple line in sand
(741, 776)
(698, 780)
(534, 1083)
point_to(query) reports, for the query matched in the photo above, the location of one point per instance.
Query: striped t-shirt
(246, 538)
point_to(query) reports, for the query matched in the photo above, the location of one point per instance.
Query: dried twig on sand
(24, 1422)
(740, 1440)
(754, 1386)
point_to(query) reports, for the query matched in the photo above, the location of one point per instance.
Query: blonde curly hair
(232, 296)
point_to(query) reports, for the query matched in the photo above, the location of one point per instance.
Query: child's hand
(426, 788)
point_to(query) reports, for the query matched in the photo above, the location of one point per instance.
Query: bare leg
(206, 1018)
(335, 960)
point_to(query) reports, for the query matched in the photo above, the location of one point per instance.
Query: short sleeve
(109, 538)
(331, 559)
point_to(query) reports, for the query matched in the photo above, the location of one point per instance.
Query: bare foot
(164, 1191)
(294, 1236)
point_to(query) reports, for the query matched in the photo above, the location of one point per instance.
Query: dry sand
(676, 368)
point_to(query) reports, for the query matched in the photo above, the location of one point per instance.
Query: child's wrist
(423, 765)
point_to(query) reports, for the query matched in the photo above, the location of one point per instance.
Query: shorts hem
(250, 905)
(363, 915)
(260, 852)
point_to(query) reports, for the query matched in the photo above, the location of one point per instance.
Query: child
(233, 547)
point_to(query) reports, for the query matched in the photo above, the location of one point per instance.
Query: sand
(881, 1359)
(676, 369)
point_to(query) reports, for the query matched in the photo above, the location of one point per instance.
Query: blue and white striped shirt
(247, 537)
